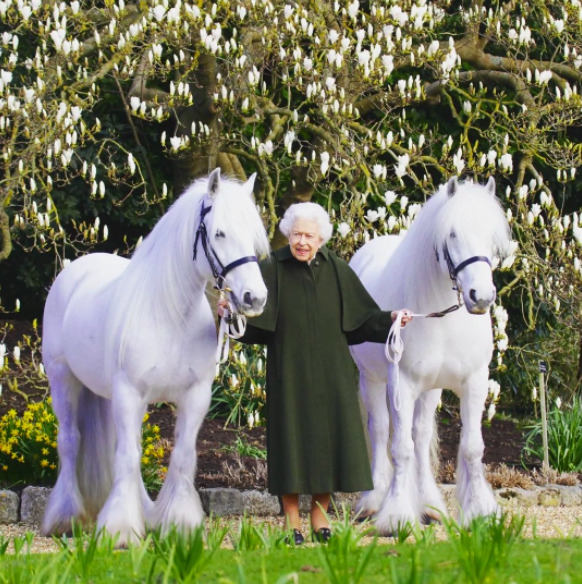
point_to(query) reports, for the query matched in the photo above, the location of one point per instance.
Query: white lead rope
(232, 326)
(395, 345)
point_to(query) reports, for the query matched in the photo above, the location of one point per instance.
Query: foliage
(243, 448)
(484, 544)
(86, 558)
(564, 437)
(152, 468)
(363, 107)
(28, 448)
(21, 365)
(183, 556)
(238, 394)
(344, 559)
(247, 536)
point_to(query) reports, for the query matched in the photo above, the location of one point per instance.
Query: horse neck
(163, 278)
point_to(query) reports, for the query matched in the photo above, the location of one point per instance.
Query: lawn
(492, 550)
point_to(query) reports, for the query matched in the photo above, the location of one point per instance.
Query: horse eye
(453, 235)
(220, 234)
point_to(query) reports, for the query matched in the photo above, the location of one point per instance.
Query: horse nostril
(248, 299)
(473, 295)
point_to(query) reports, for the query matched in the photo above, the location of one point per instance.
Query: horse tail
(96, 450)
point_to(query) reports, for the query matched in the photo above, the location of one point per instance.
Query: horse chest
(437, 356)
(164, 366)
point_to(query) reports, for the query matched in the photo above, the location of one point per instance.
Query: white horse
(120, 334)
(445, 258)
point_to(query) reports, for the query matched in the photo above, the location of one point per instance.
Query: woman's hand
(406, 316)
(222, 307)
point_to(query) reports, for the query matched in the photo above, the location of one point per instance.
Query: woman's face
(305, 239)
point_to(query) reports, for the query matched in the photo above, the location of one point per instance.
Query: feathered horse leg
(374, 397)
(66, 502)
(401, 505)
(431, 501)
(178, 503)
(123, 514)
(473, 491)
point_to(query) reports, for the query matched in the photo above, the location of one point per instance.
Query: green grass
(492, 551)
(564, 437)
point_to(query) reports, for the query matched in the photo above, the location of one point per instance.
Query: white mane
(162, 276)
(472, 213)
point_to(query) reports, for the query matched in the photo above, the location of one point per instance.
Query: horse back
(371, 264)
(74, 311)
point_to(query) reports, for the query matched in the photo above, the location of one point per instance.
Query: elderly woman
(316, 308)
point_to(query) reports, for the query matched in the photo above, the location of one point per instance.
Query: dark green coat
(315, 437)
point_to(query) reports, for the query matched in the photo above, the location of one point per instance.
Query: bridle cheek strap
(219, 271)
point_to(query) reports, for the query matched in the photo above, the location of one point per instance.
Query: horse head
(231, 235)
(474, 237)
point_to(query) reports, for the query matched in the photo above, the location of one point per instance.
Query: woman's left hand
(406, 316)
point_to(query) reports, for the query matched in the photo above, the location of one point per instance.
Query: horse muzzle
(249, 303)
(479, 302)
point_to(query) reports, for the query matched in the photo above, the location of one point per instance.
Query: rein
(395, 345)
(232, 324)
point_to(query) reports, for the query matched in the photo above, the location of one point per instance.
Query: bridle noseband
(219, 271)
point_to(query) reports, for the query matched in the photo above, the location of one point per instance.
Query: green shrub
(238, 394)
(564, 438)
(28, 448)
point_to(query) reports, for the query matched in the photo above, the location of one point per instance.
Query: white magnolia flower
(379, 171)
(343, 229)
(324, 163)
(402, 165)
(389, 197)
(506, 161)
(543, 77)
(490, 411)
(494, 389)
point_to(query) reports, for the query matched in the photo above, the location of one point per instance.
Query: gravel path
(544, 522)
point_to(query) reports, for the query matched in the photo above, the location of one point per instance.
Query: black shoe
(322, 535)
(297, 538)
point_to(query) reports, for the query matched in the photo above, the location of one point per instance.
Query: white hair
(310, 211)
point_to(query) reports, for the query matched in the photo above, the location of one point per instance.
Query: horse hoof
(430, 519)
(363, 517)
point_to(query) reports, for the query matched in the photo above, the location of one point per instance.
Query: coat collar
(284, 253)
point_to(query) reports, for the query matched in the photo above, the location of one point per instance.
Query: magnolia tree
(364, 107)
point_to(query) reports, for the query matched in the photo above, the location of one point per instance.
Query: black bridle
(453, 273)
(219, 270)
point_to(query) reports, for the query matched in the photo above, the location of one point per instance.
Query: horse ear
(452, 186)
(490, 186)
(214, 182)
(250, 184)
